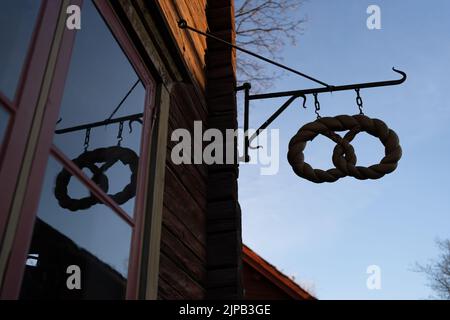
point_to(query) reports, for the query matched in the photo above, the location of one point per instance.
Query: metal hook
(255, 148)
(304, 100)
(130, 124)
(393, 82)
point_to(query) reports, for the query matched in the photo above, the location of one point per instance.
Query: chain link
(86, 139)
(359, 102)
(317, 106)
(119, 135)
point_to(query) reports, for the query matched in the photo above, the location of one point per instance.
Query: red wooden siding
(191, 45)
(183, 238)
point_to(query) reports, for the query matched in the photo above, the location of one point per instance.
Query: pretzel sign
(89, 159)
(344, 158)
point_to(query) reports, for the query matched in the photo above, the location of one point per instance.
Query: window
(87, 214)
(16, 42)
(17, 21)
(4, 120)
(97, 240)
(100, 78)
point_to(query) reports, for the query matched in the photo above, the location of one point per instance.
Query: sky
(327, 235)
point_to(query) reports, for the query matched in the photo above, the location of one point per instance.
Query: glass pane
(4, 120)
(95, 240)
(100, 76)
(17, 21)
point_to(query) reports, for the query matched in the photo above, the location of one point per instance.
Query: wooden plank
(180, 202)
(225, 254)
(191, 46)
(182, 255)
(157, 198)
(184, 233)
(179, 280)
(185, 110)
(196, 14)
(188, 102)
(167, 292)
(192, 180)
(189, 174)
(155, 46)
(200, 169)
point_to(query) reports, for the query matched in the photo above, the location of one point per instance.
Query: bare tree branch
(266, 27)
(438, 272)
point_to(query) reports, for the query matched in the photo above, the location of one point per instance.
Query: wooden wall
(183, 238)
(201, 235)
(192, 46)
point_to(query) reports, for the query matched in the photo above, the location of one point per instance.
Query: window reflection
(96, 240)
(17, 21)
(4, 119)
(100, 76)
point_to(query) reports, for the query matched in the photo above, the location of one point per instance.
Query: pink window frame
(16, 264)
(21, 108)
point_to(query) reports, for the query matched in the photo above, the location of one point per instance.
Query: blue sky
(327, 235)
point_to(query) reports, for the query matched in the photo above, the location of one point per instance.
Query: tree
(438, 271)
(265, 27)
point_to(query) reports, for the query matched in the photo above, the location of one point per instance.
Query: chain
(119, 135)
(317, 105)
(359, 101)
(87, 138)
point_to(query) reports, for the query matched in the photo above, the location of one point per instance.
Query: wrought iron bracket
(293, 95)
(130, 118)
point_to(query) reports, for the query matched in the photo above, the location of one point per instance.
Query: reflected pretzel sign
(89, 159)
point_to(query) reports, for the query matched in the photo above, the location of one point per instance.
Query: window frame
(45, 149)
(21, 108)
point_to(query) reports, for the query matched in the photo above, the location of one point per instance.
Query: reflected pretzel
(89, 159)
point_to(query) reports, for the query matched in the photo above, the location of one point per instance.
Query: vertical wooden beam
(153, 221)
(224, 240)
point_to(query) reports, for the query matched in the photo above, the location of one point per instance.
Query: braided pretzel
(325, 126)
(345, 166)
(378, 129)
